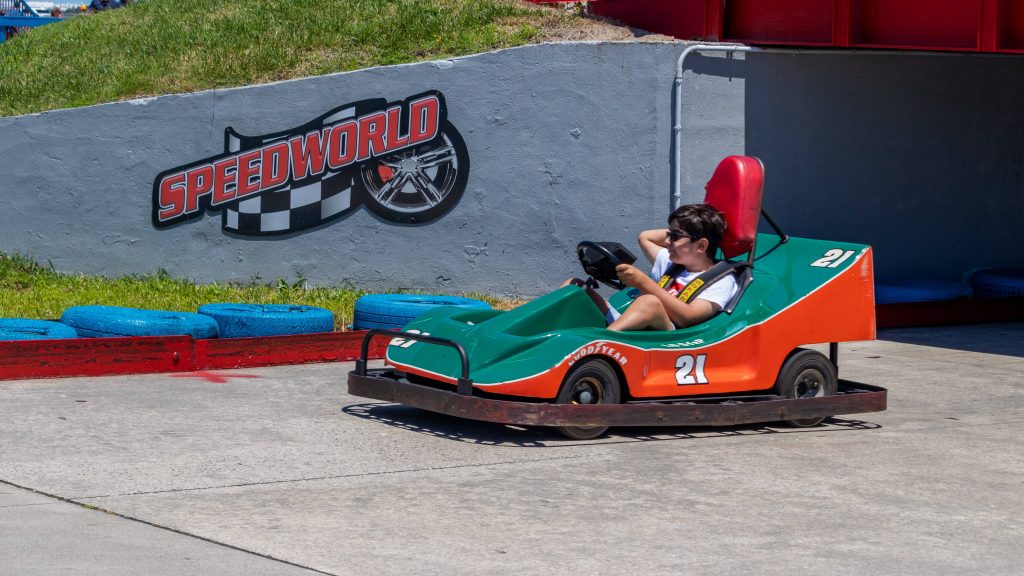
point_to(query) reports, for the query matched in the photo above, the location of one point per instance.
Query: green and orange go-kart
(553, 362)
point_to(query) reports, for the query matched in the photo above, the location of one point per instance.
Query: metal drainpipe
(677, 112)
(677, 109)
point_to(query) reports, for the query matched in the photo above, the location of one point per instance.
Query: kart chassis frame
(389, 385)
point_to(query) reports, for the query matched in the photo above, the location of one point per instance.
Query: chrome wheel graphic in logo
(418, 184)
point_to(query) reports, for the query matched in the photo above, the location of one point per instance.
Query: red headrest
(735, 191)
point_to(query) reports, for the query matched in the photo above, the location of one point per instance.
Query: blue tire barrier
(919, 291)
(115, 321)
(998, 282)
(397, 310)
(28, 329)
(250, 320)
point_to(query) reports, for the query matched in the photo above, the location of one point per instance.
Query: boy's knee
(647, 302)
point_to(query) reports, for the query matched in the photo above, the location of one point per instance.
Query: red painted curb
(22, 359)
(217, 353)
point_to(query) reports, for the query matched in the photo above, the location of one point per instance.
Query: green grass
(31, 290)
(171, 46)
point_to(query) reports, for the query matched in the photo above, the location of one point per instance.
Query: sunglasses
(674, 235)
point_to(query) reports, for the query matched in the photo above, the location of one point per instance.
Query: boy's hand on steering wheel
(630, 275)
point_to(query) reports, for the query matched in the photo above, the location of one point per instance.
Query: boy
(690, 241)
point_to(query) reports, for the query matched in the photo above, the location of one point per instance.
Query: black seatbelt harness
(701, 282)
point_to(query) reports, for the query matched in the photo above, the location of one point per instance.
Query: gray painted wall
(919, 155)
(922, 156)
(567, 142)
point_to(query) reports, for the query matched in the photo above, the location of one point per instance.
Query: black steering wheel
(599, 260)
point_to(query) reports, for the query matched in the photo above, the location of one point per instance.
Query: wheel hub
(809, 384)
(587, 391)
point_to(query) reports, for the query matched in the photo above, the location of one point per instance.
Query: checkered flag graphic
(302, 204)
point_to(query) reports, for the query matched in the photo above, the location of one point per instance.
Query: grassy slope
(168, 46)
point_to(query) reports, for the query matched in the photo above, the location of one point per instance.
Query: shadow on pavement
(1004, 339)
(488, 433)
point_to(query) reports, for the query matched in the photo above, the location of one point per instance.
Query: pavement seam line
(941, 361)
(318, 478)
(26, 505)
(893, 428)
(167, 528)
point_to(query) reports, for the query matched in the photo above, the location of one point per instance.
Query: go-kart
(553, 362)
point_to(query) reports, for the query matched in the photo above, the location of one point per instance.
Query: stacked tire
(397, 310)
(224, 320)
(117, 321)
(29, 329)
(229, 320)
(236, 320)
(998, 283)
(919, 291)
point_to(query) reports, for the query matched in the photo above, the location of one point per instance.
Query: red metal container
(950, 25)
(924, 24)
(1009, 20)
(779, 21)
(686, 19)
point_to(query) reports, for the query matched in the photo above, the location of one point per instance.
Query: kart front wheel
(591, 382)
(806, 374)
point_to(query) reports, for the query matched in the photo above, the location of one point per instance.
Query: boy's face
(686, 249)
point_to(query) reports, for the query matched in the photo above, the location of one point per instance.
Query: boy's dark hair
(700, 221)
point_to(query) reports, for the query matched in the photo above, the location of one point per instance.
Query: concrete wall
(567, 142)
(921, 156)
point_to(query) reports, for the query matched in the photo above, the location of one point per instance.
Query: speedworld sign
(403, 160)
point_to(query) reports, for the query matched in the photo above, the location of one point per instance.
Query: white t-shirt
(718, 293)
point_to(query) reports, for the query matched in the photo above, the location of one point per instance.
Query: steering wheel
(599, 260)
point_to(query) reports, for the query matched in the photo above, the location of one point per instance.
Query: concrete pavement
(278, 471)
(43, 535)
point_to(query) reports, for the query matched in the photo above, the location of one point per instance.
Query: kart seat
(735, 190)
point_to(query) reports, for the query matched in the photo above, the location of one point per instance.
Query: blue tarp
(23, 22)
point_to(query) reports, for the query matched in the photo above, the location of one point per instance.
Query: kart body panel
(803, 292)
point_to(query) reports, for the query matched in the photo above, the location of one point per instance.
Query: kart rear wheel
(590, 382)
(806, 374)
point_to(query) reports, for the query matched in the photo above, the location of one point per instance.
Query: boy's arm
(652, 241)
(681, 313)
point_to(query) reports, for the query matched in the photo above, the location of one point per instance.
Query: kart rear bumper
(389, 385)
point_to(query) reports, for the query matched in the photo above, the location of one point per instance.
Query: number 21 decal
(402, 342)
(832, 258)
(690, 369)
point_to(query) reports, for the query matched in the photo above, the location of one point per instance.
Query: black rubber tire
(596, 378)
(806, 374)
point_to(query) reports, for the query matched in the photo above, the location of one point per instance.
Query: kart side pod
(391, 386)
